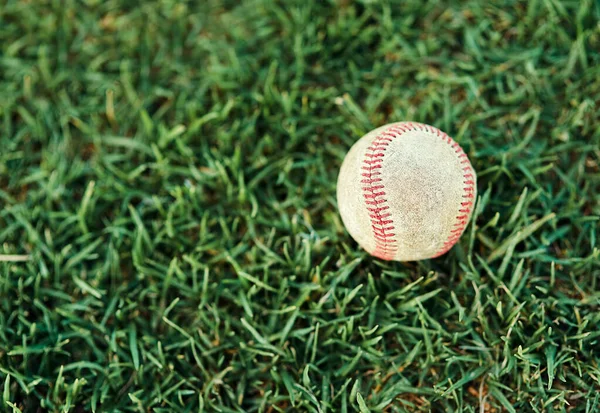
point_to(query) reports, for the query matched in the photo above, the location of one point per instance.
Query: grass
(167, 181)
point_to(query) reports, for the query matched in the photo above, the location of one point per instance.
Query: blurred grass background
(170, 167)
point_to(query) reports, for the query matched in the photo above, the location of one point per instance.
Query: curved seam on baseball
(467, 205)
(373, 193)
(374, 189)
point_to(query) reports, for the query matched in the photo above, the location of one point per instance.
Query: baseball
(406, 191)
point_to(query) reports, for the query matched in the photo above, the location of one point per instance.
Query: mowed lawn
(169, 168)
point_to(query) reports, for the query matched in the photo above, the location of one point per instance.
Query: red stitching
(383, 229)
(381, 232)
(376, 210)
(375, 202)
(382, 223)
(381, 216)
(397, 130)
(368, 188)
(374, 195)
(374, 155)
(385, 239)
(462, 219)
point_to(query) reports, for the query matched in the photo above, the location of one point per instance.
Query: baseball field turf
(169, 234)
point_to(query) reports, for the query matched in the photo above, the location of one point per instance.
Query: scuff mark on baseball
(406, 191)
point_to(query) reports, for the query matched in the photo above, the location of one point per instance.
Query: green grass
(170, 169)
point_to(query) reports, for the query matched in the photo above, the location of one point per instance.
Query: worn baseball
(406, 191)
